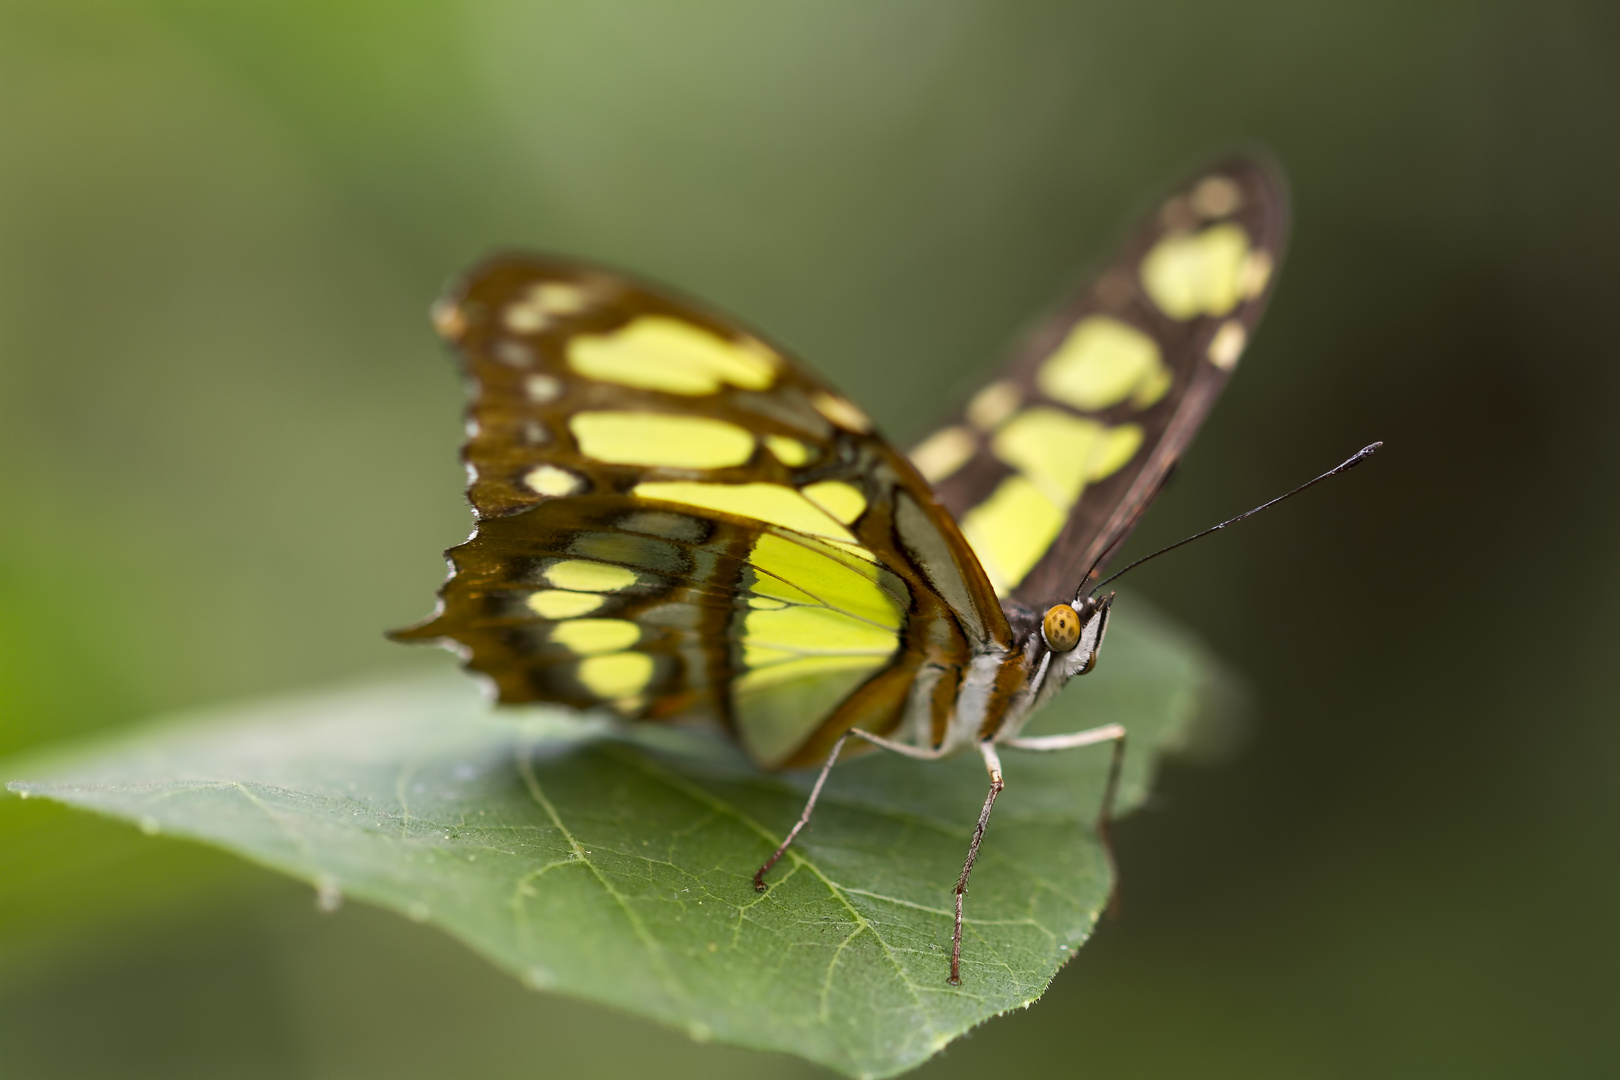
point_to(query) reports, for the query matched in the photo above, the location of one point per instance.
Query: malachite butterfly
(677, 521)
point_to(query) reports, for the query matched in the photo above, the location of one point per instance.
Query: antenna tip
(1359, 456)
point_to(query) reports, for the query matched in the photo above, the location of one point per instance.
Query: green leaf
(615, 865)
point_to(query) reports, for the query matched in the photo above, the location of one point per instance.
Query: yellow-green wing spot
(1011, 530)
(579, 585)
(843, 501)
(1056, 454)
(1061, 453)
(616, 676)
(1103, 362)
(1202, 273)
(655, 352)
(561, 604)
(588, 637)
(790, 452)
(606, 668)
(586, 575)
(826, 623)
(661, 439)
(773, 503)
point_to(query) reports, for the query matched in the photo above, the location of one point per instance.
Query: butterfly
(678, 521)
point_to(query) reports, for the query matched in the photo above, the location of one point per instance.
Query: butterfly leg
(815, 792)
(1090, 737)
(992, 765)
(804, 818)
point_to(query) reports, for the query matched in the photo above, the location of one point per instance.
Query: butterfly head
(1074, 632)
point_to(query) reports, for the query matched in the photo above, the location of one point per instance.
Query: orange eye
(1061, 628)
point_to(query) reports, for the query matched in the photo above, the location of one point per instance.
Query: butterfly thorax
(994, 694)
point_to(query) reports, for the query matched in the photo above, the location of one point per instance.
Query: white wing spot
(1216, 197)
(943, 452)
(1227, 344)
(992, 405)
(560, 297)
(521, 318)
(512, 353)
(542, 304)
(552, 481)
(841, 412)
(542, 388)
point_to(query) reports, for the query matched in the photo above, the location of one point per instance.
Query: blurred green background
(227, 462)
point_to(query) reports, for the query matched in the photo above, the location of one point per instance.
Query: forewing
(1048, 467)
(675, 520)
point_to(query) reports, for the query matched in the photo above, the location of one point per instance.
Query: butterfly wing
(675, 520)
(1048, 467)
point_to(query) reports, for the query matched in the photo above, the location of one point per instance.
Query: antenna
(1355, 459)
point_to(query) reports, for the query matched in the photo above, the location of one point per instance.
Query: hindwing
(1048, 467)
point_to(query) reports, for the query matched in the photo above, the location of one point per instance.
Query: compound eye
(1061, 628)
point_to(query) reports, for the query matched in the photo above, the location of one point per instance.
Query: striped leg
(992, 765)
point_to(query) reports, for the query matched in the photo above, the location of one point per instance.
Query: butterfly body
(678, 522)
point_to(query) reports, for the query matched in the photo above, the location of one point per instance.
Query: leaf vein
(655, 954)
